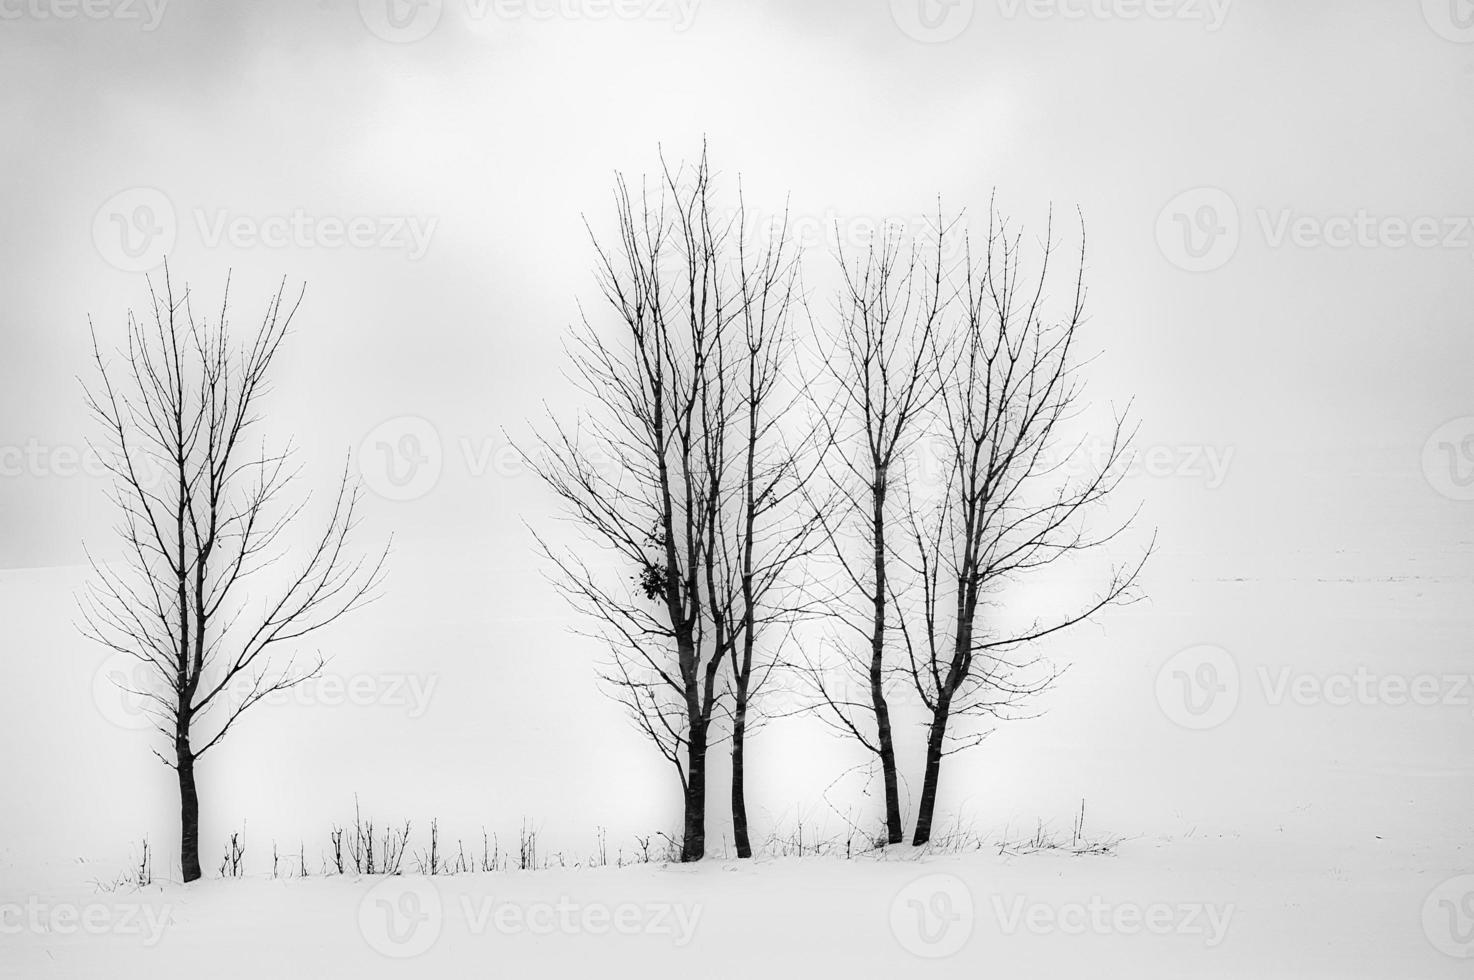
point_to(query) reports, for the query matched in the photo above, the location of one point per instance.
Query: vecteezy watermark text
(1200, 688)
(402, 917)
(148, 13)
(1201, 230)
(1100, 917)
(406, 233)
(407, 21)
(566, 917)
(35, 458)
(136, 228)
(131, 693)
(91, 919)
(1210, 13)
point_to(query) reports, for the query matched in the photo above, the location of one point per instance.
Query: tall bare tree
(203, 515)
(657, 475)
(632, 473)
(763, 535)
(881, 366)
(1010, 502)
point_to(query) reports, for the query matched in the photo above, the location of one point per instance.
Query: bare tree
(1009, 502)
(203, 515)
(673, 474)
(762, 536)
(882, 370)
(633, 473)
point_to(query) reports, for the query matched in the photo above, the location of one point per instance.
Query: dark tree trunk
(189, 810)
(693, 838)
(893, 831)
(739, 792)
(934, 744)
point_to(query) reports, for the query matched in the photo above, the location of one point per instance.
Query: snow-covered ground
(1281, 737)
(1189, 907)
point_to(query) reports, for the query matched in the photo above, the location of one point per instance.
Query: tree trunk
(189, 810)
(893, 831)
(933, 772)
(739, 793)
(693, 838)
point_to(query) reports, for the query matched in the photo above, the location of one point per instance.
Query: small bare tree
(203, 514)
(881, 367)
(1007, 505)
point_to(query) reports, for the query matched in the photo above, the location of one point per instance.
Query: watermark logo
(134, 229)
(1448, 459)
(1366, 688)
(1203, 463)
(37, 459)
(680, 14)
(1198, 688)
(137, 696)
(90, 919)
(567, 917)
(411, 693)
(1363, 229)
(401, 21)
(1209, 464)
(404, 917)
(933, 916)
(401, 917)
(406, 21)
(1103, 918)
(150, 13)
(1448, 917)
(1199, 230)
(1452, 20)
(402, 459)
(1210, 13)
(933, 21)
(407, 233)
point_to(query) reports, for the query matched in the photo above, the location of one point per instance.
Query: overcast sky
(1278, 206)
